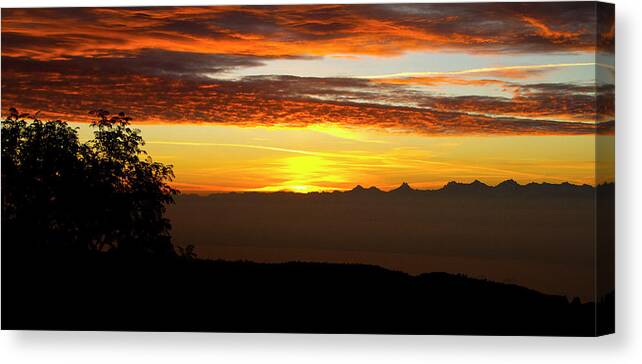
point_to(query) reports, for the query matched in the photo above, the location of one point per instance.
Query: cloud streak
(488, 70)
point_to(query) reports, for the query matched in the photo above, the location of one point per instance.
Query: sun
(304, 188)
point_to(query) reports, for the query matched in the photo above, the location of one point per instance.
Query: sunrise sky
(324, 97)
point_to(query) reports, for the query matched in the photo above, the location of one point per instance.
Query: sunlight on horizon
(214, 158)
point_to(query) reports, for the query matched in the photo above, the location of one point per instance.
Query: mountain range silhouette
(404, 188)
(361, 189)
(508, 185)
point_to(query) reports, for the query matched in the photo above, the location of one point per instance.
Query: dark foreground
(101, 292)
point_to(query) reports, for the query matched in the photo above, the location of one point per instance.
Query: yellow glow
(305, 168)
(307, 174)
(224, 158)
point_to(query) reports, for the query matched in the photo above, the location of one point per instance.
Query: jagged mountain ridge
(476, 187)
(508, 186)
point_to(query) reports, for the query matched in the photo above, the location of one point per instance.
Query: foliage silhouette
(103, 195)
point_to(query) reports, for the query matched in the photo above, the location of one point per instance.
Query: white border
(623, 347)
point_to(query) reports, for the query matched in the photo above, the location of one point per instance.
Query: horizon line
(404, 185)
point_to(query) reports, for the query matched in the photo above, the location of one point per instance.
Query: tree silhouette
(103, 195)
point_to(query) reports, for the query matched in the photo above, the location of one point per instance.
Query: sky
(324, 97)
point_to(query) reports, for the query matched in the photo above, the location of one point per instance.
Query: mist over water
(540, 236)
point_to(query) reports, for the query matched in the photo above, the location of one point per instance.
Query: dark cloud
(285, 101)
(14, 41)
(563, 101)
(605, 27)
(144, 62)
(263, 23)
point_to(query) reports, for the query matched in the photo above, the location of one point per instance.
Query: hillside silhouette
(87, 245)
(103, 292)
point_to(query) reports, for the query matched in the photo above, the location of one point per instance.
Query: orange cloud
(158, 63)
(546, 32)
(312, 30)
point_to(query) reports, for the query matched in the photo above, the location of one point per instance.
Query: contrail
(263, 147)
(250, 146)
(488, 69)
